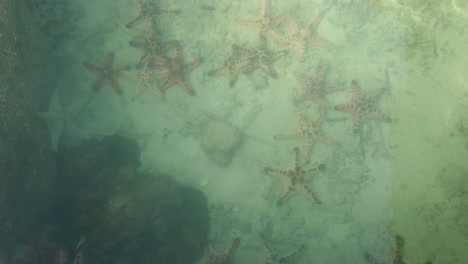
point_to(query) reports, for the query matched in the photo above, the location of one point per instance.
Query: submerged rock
(219, 141)
(128, 216)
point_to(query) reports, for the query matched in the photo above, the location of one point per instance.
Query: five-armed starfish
(363, 106)
(222, 257)
(148, 11)
(303, 37)
(259, 57)
(396, 256)
(267, 24)
(314, 88)
(294, 179)
(275, 258)
(105, 74)
(233, 66)
(174, 70)
(152, 46)
(308, 133)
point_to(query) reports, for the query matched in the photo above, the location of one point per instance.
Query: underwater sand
(381, 183)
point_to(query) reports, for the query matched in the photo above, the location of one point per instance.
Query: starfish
(363, 106)
(152, 46)
(148, 11)
(233, 66)
(105, 74)
(222, 257)
(314, 88)
(294, 179)
(175, 71)
(308, 133)
(267, 24)
(396, 256)
(274, 258)
(303, 37)
(144, 78)
(61, 120)
(259, 57)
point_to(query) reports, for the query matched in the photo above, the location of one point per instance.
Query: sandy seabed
(392, 178)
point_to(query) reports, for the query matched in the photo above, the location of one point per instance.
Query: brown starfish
(267, 24)
(396, 256)
(275, 258)
(152, 46)
(294, 179)
(233, 66)
(314, 88)
(222, 257)
(363, 106)
(148, 11)
(303, 36)
(174, 70)
(260, 57)
(105, 74)
(308, 133)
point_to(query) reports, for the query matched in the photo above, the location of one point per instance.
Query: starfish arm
(377, 115)
(269, 69)
(138, 44)
(145, 58)
(186, 86)
(274, 258)
(223, 256)
(192, 65)
(277, 54)
(138, 20)
(108, 61)
(166, 84)
(115, 85)
(92, 68)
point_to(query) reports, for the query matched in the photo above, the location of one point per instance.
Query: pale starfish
(294, 179)
(224, 256)
(363, 106)
(303, 37)
(146, 79)
(308, 133)
(148, 11)
(314, 88)
(174, 70)
(275, 258)
(267, 24)
(233, 66)
(259, 57)
(396, 255)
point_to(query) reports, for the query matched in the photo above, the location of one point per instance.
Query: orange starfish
(105, 74)
(267, 24)
(222, 257)
(303, 36)
(275, 258)
(259, 57)
(308, 133)
(233, 66)
(174, 70)
(294, 179)
(363, 106)
(152, 46)
(396, 256)
(314, 88)
(149, 11)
